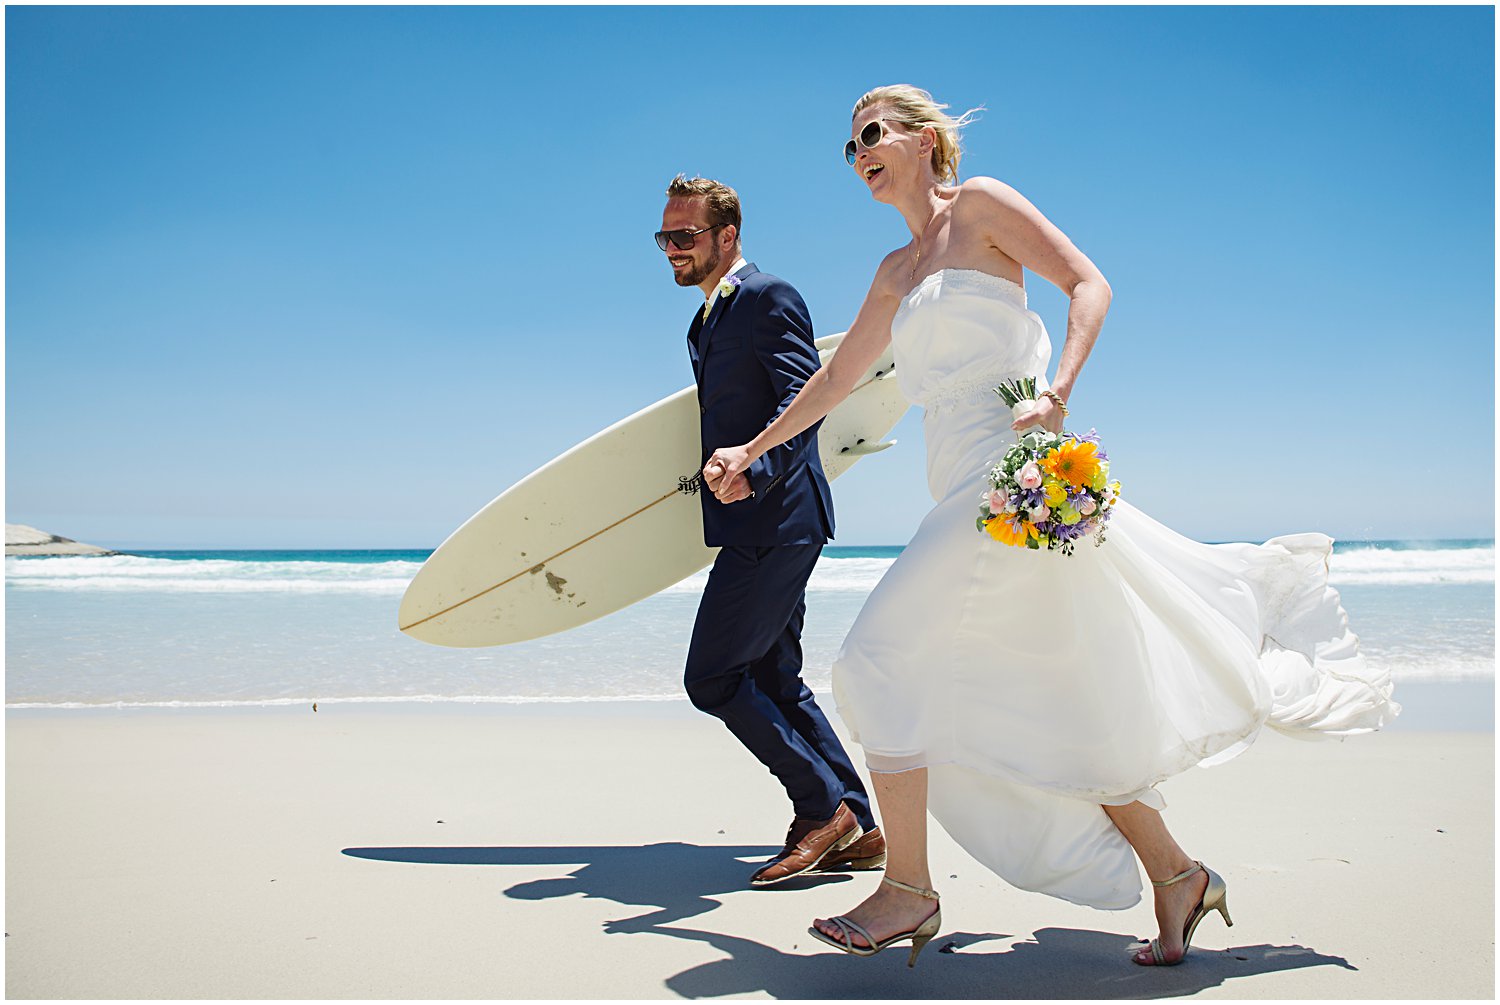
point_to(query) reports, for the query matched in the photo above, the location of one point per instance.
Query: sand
(601, 851)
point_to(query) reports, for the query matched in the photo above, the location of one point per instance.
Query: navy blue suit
(750, 358)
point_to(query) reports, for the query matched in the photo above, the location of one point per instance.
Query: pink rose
(1039, 513)
(1086, 505)
(1030, 475)
(997, 501)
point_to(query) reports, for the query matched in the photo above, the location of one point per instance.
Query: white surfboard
(610, 522)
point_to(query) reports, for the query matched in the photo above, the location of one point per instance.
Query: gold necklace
(918, 262)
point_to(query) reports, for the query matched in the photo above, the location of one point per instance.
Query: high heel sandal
(919, 936)
(1214, 899)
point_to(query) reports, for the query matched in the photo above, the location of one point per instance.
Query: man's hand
(729, 489)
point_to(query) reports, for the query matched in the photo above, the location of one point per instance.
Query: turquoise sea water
(180, 628)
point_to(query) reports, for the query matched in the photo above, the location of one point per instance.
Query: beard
(695, 275)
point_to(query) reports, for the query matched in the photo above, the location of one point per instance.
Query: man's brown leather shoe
(866, 853)
(808, 842)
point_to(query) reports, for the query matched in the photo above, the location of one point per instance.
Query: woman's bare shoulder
(985, 194)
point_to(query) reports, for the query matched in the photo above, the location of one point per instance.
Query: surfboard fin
(861, 447)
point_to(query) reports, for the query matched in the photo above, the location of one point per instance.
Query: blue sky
(335, 277)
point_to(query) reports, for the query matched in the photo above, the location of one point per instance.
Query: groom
(751, 346)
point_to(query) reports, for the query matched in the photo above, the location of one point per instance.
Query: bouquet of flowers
(1050, 489)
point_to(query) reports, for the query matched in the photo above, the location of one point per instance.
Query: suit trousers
(744, 666)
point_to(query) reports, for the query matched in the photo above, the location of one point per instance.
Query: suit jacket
(750, 358)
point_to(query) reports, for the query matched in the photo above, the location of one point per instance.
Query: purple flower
(1066, 533)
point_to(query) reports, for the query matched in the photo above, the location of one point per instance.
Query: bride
(1032, 701)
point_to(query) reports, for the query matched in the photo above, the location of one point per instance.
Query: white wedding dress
(1035, 686)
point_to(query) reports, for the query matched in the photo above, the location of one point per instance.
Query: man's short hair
(723, 202)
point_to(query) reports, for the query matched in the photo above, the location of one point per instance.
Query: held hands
(1046, 414)
(724, 474)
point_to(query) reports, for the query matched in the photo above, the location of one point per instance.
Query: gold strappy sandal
(1213, 900)
(919, 936)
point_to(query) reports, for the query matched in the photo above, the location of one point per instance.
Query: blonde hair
(914, 108)
(723, 202)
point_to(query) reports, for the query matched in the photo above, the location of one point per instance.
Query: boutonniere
(724, 291)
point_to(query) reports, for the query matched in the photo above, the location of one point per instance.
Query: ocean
(260, 628)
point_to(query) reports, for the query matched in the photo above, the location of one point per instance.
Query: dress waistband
(969, 391)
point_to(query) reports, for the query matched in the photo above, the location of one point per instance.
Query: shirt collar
(708, 301)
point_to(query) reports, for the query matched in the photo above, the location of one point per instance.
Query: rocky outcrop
(23, 540)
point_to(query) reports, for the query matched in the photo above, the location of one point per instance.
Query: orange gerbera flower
(1011, 532)
(1074, 461)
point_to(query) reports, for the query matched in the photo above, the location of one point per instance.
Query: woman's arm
(1018, 229)
(831, 384)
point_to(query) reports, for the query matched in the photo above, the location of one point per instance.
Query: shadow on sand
(1060, 963)
(677, 881)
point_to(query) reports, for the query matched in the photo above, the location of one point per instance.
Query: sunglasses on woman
(682, 240)
(871, 134)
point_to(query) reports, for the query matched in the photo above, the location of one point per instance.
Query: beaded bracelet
(1056, 400)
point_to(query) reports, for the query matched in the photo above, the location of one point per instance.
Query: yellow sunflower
(1074, 461)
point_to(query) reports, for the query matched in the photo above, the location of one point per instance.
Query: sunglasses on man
(871, 134)
(682, 240)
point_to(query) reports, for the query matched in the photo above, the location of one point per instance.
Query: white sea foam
(168, 575)
(1415, 567)
(858, 575)
(131, 573)
(1365, 566)
(1456, 667)
(117, 573)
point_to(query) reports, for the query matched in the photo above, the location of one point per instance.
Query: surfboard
(610, 522)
